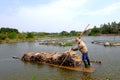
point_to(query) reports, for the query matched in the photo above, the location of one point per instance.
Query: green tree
(2, 37)
(95, 31)
(64, 33)
(21, 35)
(104, 29)
(8, 30)
(110, 28)
(30, 35)
(12, 35)
(118, 28)
(41, 34)
(73, 33)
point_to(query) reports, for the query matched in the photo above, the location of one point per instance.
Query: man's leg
(84, 60)
(85, 64)
(88, 61)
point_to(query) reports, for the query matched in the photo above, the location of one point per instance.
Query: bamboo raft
(81, 69)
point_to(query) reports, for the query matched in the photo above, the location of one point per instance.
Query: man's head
(78, 40)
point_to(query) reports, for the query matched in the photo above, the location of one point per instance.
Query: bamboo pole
(65, 57)
(84, 30)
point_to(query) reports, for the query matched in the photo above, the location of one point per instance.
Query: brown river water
(12, 69)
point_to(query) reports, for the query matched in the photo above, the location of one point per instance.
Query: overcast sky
(57, 15)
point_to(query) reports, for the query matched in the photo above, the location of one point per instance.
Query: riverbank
(50, 37)
(17, 40)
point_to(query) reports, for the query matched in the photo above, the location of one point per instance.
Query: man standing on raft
(83, 49)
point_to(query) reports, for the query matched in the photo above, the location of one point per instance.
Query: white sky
(57, 15)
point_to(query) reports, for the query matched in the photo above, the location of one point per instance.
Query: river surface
(12, 69)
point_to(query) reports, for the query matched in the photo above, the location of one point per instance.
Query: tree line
(109, 28)
(11, 33)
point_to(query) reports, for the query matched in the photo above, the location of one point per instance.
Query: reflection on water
(11, 69)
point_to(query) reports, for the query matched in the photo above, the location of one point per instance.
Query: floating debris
(57, 42)
(106, 43)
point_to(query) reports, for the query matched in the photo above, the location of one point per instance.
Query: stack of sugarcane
(68, 58)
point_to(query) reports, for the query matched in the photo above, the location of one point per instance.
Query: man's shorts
(85, 56)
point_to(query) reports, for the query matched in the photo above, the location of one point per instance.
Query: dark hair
(76, 40)
(79, 37)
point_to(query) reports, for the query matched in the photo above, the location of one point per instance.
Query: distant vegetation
(13, 35)
(110, 28)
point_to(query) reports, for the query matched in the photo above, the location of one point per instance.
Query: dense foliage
(11, 33)
(8, 30)
(30, 35)
(110, 28)
(8, 33)
(95, 31)
(71, 33)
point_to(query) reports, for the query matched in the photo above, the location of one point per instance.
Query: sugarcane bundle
(72, 59)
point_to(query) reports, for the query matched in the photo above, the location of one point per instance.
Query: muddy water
(11, 69)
